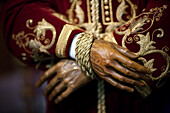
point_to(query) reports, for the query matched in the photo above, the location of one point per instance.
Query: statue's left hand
(66, 77)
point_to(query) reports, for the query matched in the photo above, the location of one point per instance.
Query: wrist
(83, 48)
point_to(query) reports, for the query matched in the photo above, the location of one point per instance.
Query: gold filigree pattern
(61, 17)
(165, 48)
(146, 48)
(79, 13)
(136, 26)
(121, 10)
(40, 31)
(22, 40)
(145, 42)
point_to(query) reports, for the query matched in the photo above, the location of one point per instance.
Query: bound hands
(66, 77)
(113, 64)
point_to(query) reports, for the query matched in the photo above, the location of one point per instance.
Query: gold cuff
(63, 39)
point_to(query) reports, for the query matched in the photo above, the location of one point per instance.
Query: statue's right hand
(114, 64)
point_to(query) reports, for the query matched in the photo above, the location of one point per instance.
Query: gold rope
(97, 28)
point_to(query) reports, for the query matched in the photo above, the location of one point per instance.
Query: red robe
(40, 32)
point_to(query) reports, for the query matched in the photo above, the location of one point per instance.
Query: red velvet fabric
(85, 99)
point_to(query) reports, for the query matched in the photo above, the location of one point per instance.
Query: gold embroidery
(62, 40)
(119, 15)
(31, 42)
(22, 40)
(145, 42)
(61, 17)
(79, 12)
(121, 10)
(142, 19)
(40, 31)
(24, 56)
(146, 47)
(165, 48)
(75, 7)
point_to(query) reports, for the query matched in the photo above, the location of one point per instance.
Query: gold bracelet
(83, 47)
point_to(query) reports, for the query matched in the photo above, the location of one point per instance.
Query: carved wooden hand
(114, 64)
(66, 77)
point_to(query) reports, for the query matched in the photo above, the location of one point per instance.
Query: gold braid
(96, 29)
(83, 47)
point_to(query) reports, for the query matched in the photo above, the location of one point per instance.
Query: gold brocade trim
(63, 39)
(88, 11)
(61, 17)
(107, 12)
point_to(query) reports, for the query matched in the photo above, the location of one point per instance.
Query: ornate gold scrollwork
(40, 31)
(75, 8)
(146, 41)
(33, 40)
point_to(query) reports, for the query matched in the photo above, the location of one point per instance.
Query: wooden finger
(46, 75)
(125, 52)
(65, 94)
(118, 85)
(126, 71)
(52, 84)
(57, 90)
(131, 64)
(123, 79)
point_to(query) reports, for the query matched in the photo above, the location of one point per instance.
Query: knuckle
(126, 72)
(53, 93)
(131, 63)
(111, 54)
(46, 73)
(71, 87)
(126, 50)
(107, 62)
(60, 98)
(122, 87)
(133, 82)
(47, 88)
(121, 78)
(66, 81)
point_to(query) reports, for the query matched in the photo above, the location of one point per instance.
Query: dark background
(17, 91)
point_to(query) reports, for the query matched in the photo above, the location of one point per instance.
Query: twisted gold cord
(97, 28)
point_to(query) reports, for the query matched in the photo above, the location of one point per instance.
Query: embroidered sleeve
(148, 36)
(35, 33)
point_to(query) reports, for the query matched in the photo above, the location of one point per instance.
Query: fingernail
(132, 90)
(142, 84)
